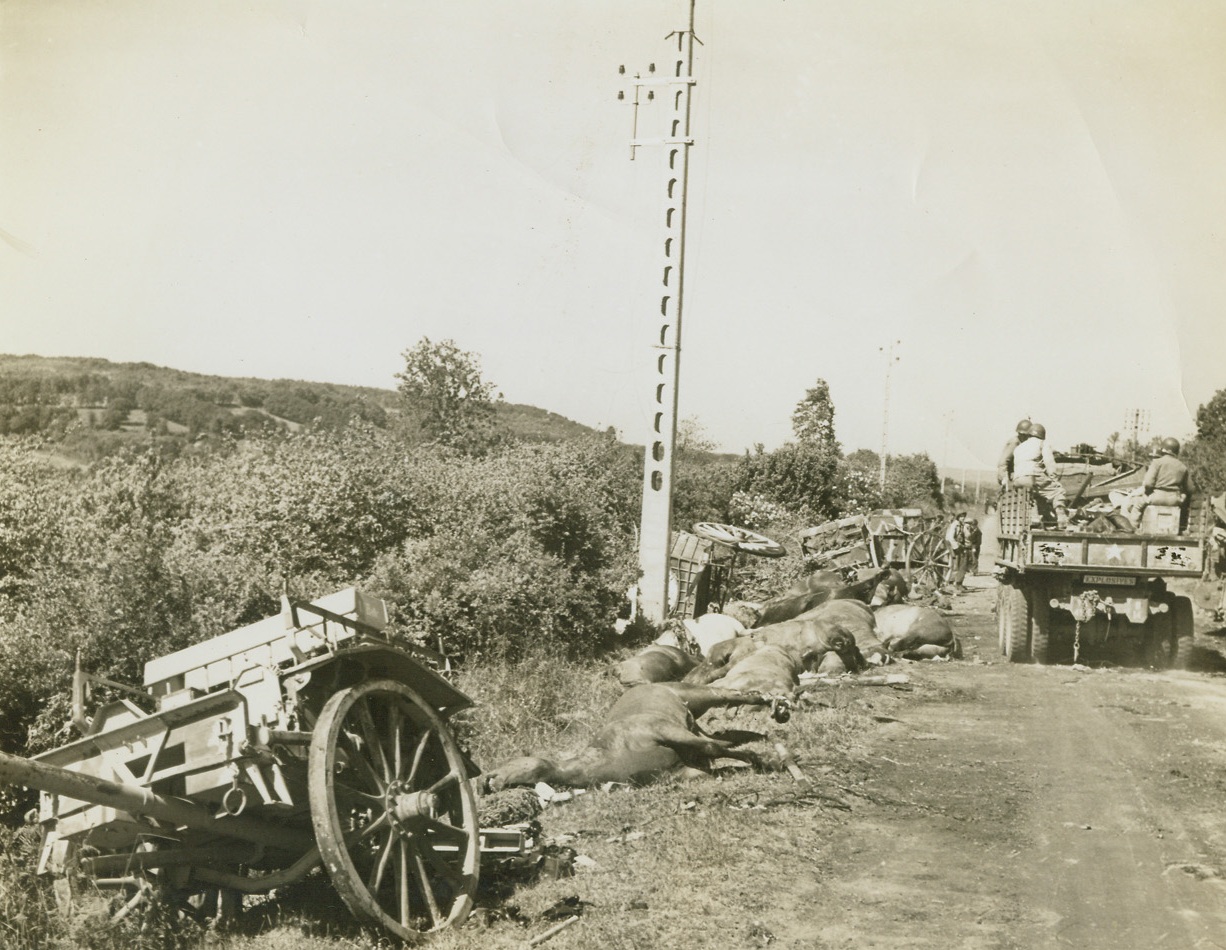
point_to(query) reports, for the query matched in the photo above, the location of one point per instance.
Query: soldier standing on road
(955, 537)
(974, 540)
(1034, 467)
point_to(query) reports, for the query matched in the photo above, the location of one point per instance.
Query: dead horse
(649, 733)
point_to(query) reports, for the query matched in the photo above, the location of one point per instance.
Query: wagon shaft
(139, 801)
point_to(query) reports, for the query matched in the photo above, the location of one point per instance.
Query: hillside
(94, 400)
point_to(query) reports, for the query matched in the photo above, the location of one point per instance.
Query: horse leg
(698, 699)
(690, 747)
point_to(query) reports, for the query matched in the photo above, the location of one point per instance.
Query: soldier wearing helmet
(1004, 466)
(1167, 482)
(1034, 467)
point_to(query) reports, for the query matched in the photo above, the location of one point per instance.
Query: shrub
(532, 545)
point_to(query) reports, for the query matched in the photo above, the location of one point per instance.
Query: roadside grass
(684, 865)
(542, 703)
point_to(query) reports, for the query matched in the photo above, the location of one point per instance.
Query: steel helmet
(1023, 427)
(1038, 431)
(1170, 446)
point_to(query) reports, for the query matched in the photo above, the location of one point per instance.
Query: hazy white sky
(1029, 197)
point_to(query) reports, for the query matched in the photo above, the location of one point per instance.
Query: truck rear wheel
(1002, 614)
(1040, 628)
(1182, 632)
(1016, 624)
(1169, 640)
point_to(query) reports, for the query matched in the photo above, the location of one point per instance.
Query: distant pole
(655, 534)
(1136, 423)
(890, 359)
(949, 419)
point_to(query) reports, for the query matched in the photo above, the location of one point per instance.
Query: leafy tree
(912, 481)
(703, 490)
(798, 475)
(1211, 418)
(813, 418)
(703, 483)
(859, 482)
(1205, 454)
(445, 397)
(692, 439)
(31, 495)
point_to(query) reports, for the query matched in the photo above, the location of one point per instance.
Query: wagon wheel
(928, 559)
(740, 539)
(393, 811)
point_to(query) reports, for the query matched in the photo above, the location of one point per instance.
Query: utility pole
(890, 360)
(1136, 423)
(949, 420)
(655, 528)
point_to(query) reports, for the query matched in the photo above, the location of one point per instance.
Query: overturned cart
(304, 739)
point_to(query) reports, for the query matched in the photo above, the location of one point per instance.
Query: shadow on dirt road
(1024, 806)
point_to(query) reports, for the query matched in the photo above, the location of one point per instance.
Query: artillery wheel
(740, 539)
(928, 559)
(393, 810)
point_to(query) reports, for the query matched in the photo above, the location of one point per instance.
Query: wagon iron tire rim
(740, 539)
(393, 810)
(928, 558)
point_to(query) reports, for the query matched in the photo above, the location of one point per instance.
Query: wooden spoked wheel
(928, 559)
(394, 813)
(740, 539)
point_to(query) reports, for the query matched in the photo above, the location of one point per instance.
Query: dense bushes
(141, 554)
(533, 545)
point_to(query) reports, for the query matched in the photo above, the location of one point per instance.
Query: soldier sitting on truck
(1004, 467)
(1167, 482)
(1034, 467)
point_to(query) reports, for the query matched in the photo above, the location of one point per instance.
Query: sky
(1023, 201)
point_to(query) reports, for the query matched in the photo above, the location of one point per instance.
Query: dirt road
(1022, 806)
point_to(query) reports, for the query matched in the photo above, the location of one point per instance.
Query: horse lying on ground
(713, 628)
(768, 669)
(807, 641)
(649, 733)
(892, 590)
(658, 663)
(917, 633)
(857, 620)
(791, 606)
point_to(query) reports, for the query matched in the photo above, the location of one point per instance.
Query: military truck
(1097, 584)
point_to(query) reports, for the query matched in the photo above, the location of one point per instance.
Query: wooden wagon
(900, 538)
(305, 739)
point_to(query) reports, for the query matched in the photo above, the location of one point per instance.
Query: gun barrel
(139, 801)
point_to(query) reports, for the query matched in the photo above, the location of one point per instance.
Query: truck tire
(1002, 613)
(1040, 628)
(1182, 632)
(1017, 624)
